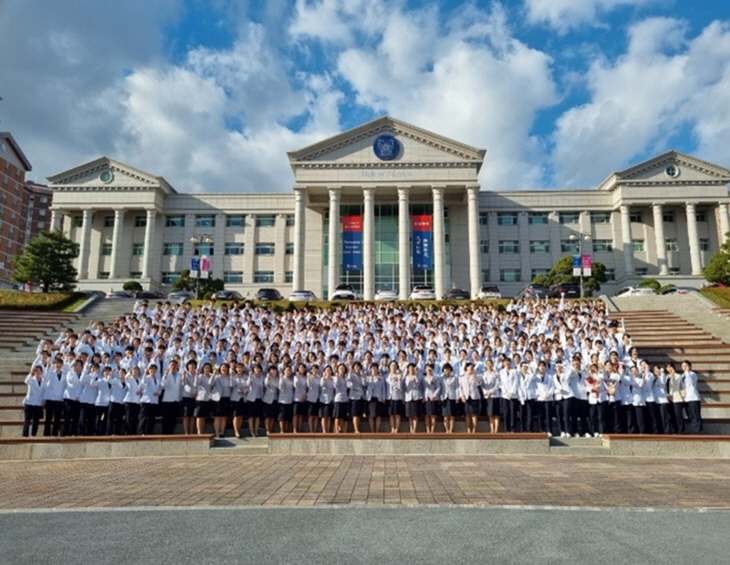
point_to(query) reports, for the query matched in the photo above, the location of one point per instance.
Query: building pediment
(673, 167)
(107, 174)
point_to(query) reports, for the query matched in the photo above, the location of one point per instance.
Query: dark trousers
(612, 418)
(545, 416)
(695, 417)
(100, 422)
(640, 416)
(508, 406)
(87, 420)
(665, 422)
(570, 415)
(33, 415)
(115, 419)
(169, 416)
(131, 418)
(147, 413)
(71, 411)
(678, 411)
(629, 419)
(597, 418)
(651, 418)
(527, 416)
(54, 412)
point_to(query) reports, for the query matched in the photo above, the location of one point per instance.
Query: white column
(661, 246)
(404, 255)
(219, 246)
(439, 248)
(116, 242)
(149, 233)
(299, 231)
(88, 217)
(472, 193)
(56, 218)
(724, 221)
(368, 243)
(628, 245)
(694, 240)
(333, 266)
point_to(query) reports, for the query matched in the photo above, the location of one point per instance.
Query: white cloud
(564, 15)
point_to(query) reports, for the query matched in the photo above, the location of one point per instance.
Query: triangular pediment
(105, 172)
(355, 147)
(675, 166)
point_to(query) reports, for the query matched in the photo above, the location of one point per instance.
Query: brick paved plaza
(367, 480)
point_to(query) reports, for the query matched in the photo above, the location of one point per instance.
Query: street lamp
(196, 239)
(579, 238)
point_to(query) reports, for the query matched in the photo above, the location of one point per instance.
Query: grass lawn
(720, 295)
(47, 301)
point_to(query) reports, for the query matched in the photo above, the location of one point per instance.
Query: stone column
(724, 221)
(56, 216)
(439, 247)
(219, 246)
(628, 245)
(116, 243)
(299, 236)
(472, 193)
(523, 237)
(368, 243)
(404, 255)
(694, 239)
(661, 246)
(334, 241)
(149, 233)
(88, 216)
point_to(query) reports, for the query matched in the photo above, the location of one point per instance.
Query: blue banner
(352, 243)
(194, 267)
(422, 242)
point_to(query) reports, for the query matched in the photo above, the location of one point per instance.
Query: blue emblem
(386, 147)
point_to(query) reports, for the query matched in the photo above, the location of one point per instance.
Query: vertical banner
(422, 242)
(352, 243)
(204, 267)
(194, 267)
(576, 265)
(587, 265)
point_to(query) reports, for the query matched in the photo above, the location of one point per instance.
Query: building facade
(390, 205)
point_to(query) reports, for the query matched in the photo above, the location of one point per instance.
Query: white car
(386, 294)
(635, 291)
(423, 292)
(302, 296)
(343, 292)
(489, 292)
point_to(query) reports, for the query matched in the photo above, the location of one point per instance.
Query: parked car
(635, 291)
(569, 290)
(268, 295)
(423, 292)
(227, 295)
(302, 295)
(148, 295)
(489, 292)
(118, 294)
(457, 294)
(533, 291)
(680, 290)
(386, 294)
(343, 292)
(180, 296)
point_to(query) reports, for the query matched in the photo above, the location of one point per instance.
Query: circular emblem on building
(672, 171)
(4, 147)
(386, 147)
(106, 176)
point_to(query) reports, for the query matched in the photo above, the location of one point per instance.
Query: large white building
(388, 204)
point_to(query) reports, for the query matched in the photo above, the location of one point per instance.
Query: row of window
(569, 246)
(541, 218)
(201, 221)
(204, 249)
(235, 277)
(515, 275)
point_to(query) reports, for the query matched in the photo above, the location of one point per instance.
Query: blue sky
(211, 94)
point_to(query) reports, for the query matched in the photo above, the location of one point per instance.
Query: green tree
(718, 268)
(562, 272)
(186, 282)
(132, 286)
(47, 261)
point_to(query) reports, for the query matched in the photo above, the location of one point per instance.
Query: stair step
(587, 451)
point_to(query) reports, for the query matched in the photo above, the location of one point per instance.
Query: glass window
(169, 277)
(106, 249)
(485, 275)
(265, 248)
(233, 276)
(104, 275)
(289, 276)
(539, 273)
(203, 249)
(568, 246)
(704, 244)
(236, 221)
(174, 221)
(135, 275)
(637, 245)
(265, 221)
(263, 276)
(140, 221)
(205, 221)
(600, 217)
(172, 249)
(290, 220)
(509, 246)
(602, 245)
(138, 249)
(640, 271)
(234, 249)
(540, 246)
(569, 217)
(668, 216)
(507, 218)
(701, 216)
(509, 275)
(78, 221)
(611, 274)
(670, 244)
(636, 217)
(672, 270)
(108, 221)
(290, 249)
(483, 218)
(484, 246)
(537, 218)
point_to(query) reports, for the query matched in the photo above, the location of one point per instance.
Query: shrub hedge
(47, 301)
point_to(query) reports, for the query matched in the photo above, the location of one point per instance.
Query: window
(289, 276)
(236, 221)
(484, 246)
(568, 246)
(704, 244)
(640, 271)
(78, 221)
(135, 275)
(602, 245)
(203, 249)
(172, 249)
(569, 217)
(290, 249)
(108, 221)
(169, 277)
(701, 216)
(265, 221)
(610, 274)
(234, 249)
(540, 246)
(670, 244)
(205, 221)
(600, 217)
(483, 218)
(174, 221)
(104, 275)
(509, 246)
(485, 275)
(106, 249)
(263, 276)
(537, 218)
(509, 275)
(638, 245)
(668, 216)
(507, 219)
(674, 270)
(539, 273)
(636, 217)
(290, 220)
(138, 249)
(265, 248)
(140, 221)
(233, 276)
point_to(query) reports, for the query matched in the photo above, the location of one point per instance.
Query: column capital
(368, 193)
(624, 208)
(657, 205)
(438, 191)
(87, 213)
(403, 193)
(151, 212)
(119, 213)
(691, 204)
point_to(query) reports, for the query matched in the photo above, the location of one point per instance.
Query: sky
(211, 94)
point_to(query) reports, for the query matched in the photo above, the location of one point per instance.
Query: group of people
(561, 368)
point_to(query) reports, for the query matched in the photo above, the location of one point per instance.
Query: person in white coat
(33, 401)
(172, 386)
(132, 395)
(691, 397)
(71, 395)
(54, 381)
(115, 416)
(150, 400)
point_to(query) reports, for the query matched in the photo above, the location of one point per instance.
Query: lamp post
(195, 240)
(579, 238)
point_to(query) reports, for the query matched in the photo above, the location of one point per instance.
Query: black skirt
(271, 410)
(188, 407)
(449, 407)
(239, 408)
(255, 408)
(377, 409)
(357, 408)
(326, 410)
(491, 406)
(340, 410)
(413, 408)
(301, 409)
(395, 408)
(223, 407)
(472, 406)
(286, 412)
(314, 409)
(432, 408)
(203, 408)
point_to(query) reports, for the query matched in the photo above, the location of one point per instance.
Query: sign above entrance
(386, 147)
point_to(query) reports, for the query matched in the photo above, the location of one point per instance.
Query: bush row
(47, 301)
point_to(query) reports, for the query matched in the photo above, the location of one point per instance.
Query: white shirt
(34, 395)
(53, 384)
